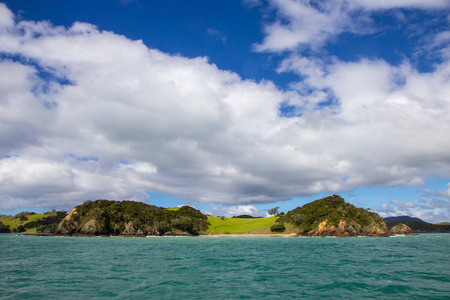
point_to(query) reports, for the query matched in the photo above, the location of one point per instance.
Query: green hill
(332, 216)
(32, 222)
(130, 218)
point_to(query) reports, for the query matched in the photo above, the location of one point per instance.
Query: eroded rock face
(90, 227)
(401, 229)
(325, 228)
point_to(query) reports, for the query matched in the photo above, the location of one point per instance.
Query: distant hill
(402, 219)
(421, 227)
(245, 217)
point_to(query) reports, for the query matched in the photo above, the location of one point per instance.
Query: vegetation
(273, 211)
(221, 225)
(23, 216)
(48, 224)
(104, 217)
(277, 227)
(4, 228)
(333, 209)
(33, 222)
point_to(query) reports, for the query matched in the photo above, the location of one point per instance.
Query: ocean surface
(411, 267)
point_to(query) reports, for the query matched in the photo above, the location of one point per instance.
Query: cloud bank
(88, 114)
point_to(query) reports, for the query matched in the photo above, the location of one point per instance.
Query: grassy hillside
(15, 222)
(242, 226)
(442, 223)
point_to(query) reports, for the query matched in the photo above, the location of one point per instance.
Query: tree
(274, 211)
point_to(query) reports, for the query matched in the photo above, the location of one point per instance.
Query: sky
(232, 107)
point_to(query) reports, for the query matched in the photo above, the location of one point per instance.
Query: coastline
(279, 235)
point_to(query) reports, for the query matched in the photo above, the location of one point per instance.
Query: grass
(442, 223)
(13, 223)
(173, 208)
(243, 226)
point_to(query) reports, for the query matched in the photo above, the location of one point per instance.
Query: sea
(401, 267)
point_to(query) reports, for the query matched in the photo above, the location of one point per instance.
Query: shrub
(278, 227)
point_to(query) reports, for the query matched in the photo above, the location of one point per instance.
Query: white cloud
(303, 23)
(433, 206)
(122, 119)
(237, 210)
(388, 4)
(6, 17)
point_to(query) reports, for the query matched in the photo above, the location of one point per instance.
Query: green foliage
(47, 224)
(4, 228)
(20, 228)
(32, 221)
(130, 217)
(332, 208)
(278, 227)
(23, 216)
(273, 211)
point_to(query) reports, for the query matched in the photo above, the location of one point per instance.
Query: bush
(4, 228)
(278, 227)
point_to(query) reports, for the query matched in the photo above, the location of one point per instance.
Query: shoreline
(279, 235)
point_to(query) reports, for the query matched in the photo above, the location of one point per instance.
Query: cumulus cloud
(304, 23)
(90, 114)
(236, 210)
(6, 17)
(433, 206)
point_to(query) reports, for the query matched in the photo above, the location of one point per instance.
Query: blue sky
(229, 106)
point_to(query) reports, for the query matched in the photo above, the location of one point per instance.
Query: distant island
(418, 225)
(329, 216)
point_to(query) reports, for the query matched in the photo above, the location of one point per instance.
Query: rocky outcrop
(325, 228)
(401, 229)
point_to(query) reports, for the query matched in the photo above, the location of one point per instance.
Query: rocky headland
(332, 216)
(130, 218)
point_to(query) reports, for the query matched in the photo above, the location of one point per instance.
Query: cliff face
(332, 216)
(129, 218)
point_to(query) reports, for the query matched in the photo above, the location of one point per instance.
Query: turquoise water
(414, 267)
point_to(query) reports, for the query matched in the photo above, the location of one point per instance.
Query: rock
(90, 227)
(401, 229)
(351, 231)
(342, 226)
